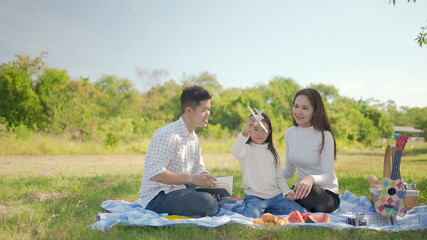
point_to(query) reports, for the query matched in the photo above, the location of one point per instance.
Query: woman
(311, 149)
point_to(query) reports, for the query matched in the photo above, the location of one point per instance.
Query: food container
(411, 199)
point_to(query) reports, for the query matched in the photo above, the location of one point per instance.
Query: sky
(365, 48)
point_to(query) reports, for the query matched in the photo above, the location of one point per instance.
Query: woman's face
(302, 111)
(257, 133)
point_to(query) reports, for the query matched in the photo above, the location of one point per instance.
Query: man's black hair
(192, 96)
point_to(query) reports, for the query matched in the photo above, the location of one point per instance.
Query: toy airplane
(258, 117)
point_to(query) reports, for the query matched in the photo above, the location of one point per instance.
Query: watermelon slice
(295, 217)
(318, 218)
(305, 216)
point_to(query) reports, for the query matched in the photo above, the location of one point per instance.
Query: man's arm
(171, 178)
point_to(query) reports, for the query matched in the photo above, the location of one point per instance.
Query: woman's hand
(303, 188)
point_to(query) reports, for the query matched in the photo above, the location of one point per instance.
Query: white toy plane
(258, 117)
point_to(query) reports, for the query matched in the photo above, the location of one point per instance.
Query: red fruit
(305, 216)
(295, 217)
(318, 218)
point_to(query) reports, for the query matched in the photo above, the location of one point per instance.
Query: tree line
(36, 97)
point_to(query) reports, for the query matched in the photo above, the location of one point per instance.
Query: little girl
(265, 187)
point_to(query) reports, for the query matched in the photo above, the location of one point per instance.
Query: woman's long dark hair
(269, 139)
(320, 119)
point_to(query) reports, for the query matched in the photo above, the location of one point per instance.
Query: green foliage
(394, 1)
(379, 120)
(163, 102)
(47, 88)
(418, 118)
(112, 140)
(19, 103)
(22, 132)
(206, 80)
(329, 93)
(76, 109)
(421, 39)
(45, 99)
(279, 95)
(117, 95)
(215, 131)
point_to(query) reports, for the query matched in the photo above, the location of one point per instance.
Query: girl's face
(257, 133)
(302, 111)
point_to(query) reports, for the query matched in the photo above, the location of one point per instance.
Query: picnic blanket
(132, 214)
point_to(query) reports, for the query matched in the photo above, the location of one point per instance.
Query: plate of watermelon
(269, 220)
(297, 217)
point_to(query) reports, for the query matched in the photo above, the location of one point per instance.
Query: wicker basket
(411, 196)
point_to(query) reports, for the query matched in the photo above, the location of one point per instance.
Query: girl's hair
(320, 119)
(269, 139)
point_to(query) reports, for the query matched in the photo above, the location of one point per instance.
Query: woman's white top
(303, 155)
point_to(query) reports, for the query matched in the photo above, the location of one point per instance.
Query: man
(174, 164)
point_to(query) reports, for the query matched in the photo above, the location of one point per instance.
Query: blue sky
(365, 48)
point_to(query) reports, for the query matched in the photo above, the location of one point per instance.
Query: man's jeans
(187, 202)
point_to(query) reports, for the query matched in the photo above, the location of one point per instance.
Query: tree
(76, 108)
(19, 103)
(46, 87)
(118, 95)
(280, 93)
(227, 109)
(329, 93)
(205, 80)
(421, 39)
(162, 102)
(418, 117)
(380, 120)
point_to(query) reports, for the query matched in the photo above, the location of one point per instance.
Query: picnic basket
(411, 196)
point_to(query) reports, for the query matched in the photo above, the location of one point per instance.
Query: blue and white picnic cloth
(132, 214)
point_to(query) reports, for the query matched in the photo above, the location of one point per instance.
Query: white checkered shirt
(171, 148)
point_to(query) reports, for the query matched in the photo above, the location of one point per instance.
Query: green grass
(40, 144)
(56, 197)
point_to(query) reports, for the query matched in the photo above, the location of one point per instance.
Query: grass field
(56, 197)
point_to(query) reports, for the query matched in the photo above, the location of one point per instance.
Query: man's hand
(204, 180)
(171, 178)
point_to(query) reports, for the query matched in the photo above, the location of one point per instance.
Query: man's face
(201, 114)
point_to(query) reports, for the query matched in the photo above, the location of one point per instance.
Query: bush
(112, 140)
(22, 132)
